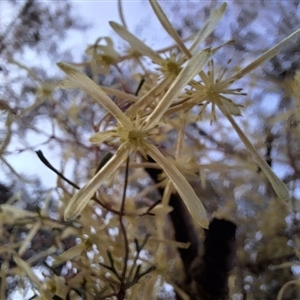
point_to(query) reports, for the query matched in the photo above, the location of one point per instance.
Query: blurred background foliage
(74, 259)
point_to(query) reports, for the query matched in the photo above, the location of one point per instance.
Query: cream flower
(210, 90)
(213, 90)
(172, 65)
(103, 56)
(132, 135)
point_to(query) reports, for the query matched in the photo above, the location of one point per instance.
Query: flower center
(211, 93)
(170, 68)
(133, 136)
(106, 59)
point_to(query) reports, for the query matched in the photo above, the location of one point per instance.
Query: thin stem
(48, 165)
(121, 14)
(121, 294)
(101, 203)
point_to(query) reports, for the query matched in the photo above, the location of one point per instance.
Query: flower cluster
(182, 84)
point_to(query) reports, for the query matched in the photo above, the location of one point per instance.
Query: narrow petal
(69, 254)
(135, 43)
(11, 214)
(278, 186)
(193, 67)
(169, 28)
(32, 233)
(120, 94)
(208, 27)
(231, 107)
(100, 137)
(148, 98)
(266, 56)
(81, 199)
(184, 189)
(24, 266)
(77, 80)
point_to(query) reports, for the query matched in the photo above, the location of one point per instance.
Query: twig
(47, 164)
(269, 141)
(104, 205)
(121, 293)
(120, 9)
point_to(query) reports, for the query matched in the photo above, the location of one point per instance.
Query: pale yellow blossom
(132, 135)
(103, 56)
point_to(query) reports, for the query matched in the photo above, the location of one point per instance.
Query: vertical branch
(268, 142)
(182, 223)
(121, 293)
(211, 271)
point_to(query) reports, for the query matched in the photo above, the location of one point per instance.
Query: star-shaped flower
(131, 133)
